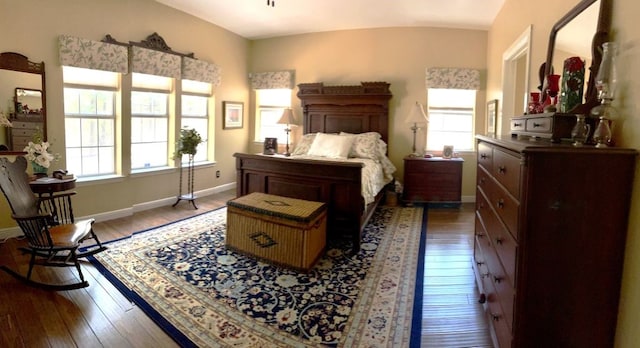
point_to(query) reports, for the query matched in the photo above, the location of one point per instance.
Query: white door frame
(521, 47)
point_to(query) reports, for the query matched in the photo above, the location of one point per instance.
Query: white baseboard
(12, 232)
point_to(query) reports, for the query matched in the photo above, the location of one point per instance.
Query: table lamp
(289, 119)
(418, 118)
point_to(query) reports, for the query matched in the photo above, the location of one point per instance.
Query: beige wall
(395, 55)
(31, 27)
(511, 21)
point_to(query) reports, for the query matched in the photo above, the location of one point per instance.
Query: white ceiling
(254, 19)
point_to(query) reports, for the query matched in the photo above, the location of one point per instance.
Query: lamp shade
(288, 117)
(417, 115)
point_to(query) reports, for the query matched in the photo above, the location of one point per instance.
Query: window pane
(194, 105)
(149, 103)
(451, 115)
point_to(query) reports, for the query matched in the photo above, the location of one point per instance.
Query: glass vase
(38, 170)
(602, 134)
(580, 131)
(607, 76)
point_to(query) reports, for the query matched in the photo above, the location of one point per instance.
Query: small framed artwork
(232, 114)
(447, 151)
(492, 114)
(270, 146)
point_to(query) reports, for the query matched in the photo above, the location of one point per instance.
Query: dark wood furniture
(51, 185)
(429, 180)
(551, 224)
(327, 109)
(52, 233)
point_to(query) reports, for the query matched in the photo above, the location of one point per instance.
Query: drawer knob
(536, 125)
(501, 203)
(499, 240)
(502, 169)
(497, 279)
(482, 180)
(517, 124)
(482, 299)
(483, 156)
(484, 275)
(479, 263)
(495, 317)
(480, 235)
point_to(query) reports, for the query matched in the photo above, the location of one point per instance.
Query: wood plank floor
(99, 316)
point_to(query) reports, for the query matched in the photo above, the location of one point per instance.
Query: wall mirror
(23, 81)
(580, 32)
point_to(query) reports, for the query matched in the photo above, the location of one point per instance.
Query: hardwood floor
(99, 316)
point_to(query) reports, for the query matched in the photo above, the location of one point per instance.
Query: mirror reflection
(28, 102)
(22, 100)
(575, 40)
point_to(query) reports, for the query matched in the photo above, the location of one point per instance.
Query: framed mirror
(23, 83)
(580, 32)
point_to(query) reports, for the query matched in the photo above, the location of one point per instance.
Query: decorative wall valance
(153, 62)
(89, 54)
(198, 70)
(272, 79)
(453, 78)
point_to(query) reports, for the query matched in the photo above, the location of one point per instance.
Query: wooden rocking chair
(52, 234)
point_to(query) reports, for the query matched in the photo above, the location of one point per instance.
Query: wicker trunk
(285, 231)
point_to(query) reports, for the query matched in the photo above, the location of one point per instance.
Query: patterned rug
(204, 295)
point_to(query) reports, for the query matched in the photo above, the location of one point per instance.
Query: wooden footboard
(336, 183)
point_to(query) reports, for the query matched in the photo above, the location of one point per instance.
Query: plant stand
(188, 196)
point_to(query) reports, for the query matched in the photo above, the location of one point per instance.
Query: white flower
(39, 153)
(4, 121)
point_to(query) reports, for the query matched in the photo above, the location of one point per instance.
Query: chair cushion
(70, 235)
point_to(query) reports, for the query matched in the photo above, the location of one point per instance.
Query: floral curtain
(97, 55)
(453, 78)
(198, 70)
(272, 80)
(152, 62)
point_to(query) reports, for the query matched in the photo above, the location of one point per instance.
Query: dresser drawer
(485, 155)
(539, 125)
(506, 169)
(25, 125)
(518, 124)
(493, 310)
(506, 207)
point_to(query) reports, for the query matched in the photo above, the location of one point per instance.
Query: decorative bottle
(580, 131)
(606, 81)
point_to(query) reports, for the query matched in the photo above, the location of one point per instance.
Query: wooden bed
(327, 109)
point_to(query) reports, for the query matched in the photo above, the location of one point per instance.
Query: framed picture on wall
(232, 114)
(492, 114)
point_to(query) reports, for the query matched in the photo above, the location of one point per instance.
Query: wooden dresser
(428, 180)
(550, 232)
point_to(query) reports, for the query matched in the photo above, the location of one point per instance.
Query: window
(451, 114)
(149, 121)
(90, 121)
(195, 114)
(271, 104)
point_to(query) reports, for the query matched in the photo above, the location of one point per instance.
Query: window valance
(272, 79)
(154, 62)
(89, 54)
(198, 70)
(453, 78)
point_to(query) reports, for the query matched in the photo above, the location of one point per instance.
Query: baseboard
(468, 199)
(12, 232)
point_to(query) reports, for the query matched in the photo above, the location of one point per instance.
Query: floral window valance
(453, 78)
(198, 70)
(272, 80)
(153, 62)
(89, 54)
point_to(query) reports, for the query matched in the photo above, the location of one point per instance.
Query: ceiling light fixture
(271, 3)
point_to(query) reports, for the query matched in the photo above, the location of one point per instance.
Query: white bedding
(375, 174)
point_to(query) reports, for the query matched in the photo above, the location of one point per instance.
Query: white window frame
(277, 104)
(94, 159)
(442, 127)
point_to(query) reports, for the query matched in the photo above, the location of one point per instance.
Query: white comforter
(375, 174)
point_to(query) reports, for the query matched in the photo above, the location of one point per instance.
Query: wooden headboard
(352, 109)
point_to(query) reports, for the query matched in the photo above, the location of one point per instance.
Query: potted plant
(188, 142)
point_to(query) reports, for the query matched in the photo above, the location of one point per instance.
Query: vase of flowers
(38, 154)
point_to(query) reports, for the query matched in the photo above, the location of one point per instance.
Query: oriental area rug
(202, 294)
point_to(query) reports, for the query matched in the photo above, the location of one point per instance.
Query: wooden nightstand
(432, 180)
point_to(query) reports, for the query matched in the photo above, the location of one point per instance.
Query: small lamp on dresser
(418, 119)
(289, 119)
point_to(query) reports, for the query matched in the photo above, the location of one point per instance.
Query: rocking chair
(52, 234)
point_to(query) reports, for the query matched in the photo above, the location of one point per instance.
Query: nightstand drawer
(432, 180)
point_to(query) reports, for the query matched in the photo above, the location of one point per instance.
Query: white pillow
(330, 145)
(305, 143)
